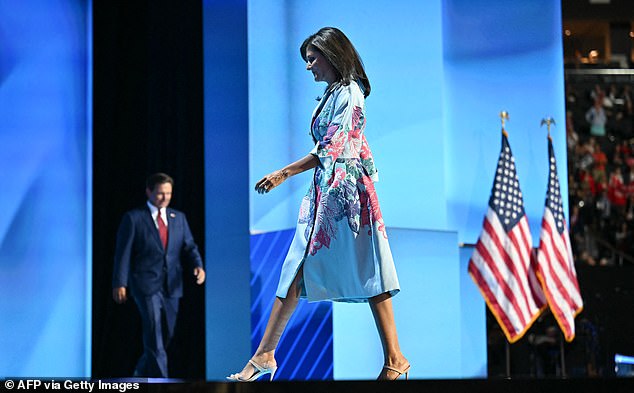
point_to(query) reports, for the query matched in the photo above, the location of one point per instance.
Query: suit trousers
(158, 318)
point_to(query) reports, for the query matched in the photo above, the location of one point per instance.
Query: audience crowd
(600, 141)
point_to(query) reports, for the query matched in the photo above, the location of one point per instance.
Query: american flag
(555, 266)
(501, 264)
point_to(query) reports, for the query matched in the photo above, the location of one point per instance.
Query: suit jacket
(140, 261)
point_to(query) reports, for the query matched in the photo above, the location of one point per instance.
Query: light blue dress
(341, 239)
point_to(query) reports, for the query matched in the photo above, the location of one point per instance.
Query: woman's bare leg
(383, 313)
(282, 310)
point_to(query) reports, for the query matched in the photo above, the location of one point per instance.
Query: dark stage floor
(595, 385)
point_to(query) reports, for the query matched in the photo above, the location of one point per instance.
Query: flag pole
(562, 355)
(548, 121)
(504, 117)
(508, 359)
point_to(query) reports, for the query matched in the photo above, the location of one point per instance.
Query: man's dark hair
(158, 178)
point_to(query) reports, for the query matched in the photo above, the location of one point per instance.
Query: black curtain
(148, 117)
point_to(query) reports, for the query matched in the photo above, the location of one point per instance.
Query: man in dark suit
(153, 242)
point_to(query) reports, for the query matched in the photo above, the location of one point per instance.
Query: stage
(516, 385)
(187, 87)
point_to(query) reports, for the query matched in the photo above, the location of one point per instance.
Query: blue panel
(45, 228)
(273, 141)
(227, 187)
(305, 350)
(500, 58)
(473, 334)
(432, 312)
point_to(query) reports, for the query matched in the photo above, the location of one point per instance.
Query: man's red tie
(162, 229)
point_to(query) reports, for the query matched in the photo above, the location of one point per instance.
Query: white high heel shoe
(260, 371)
(399, 372)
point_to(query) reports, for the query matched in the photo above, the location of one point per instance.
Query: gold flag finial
(504, 116)
(548, 121)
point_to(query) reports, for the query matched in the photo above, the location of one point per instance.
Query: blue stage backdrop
(500, 57)
(46, 169)
(228, 300)
(441, 72)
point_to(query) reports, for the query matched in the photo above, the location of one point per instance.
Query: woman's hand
(270, 181)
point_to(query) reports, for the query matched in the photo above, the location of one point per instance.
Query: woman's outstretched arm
(274, 179)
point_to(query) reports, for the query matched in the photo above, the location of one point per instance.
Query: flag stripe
(536, 287)
(505, 270)
(551, 259)
(557, 295)
(526, 241)
(556, 255)
(531, 288)
(568, 264)
(555, 264)
(503, 294)
(501, 264)
(507, 322)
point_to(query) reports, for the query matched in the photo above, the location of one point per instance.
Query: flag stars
(506, 199)
(554, 202)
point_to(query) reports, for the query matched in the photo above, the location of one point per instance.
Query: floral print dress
(340, 239)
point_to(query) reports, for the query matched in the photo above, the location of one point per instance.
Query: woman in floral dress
(340, 251)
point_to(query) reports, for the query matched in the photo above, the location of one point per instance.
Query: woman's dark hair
(341, 54)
